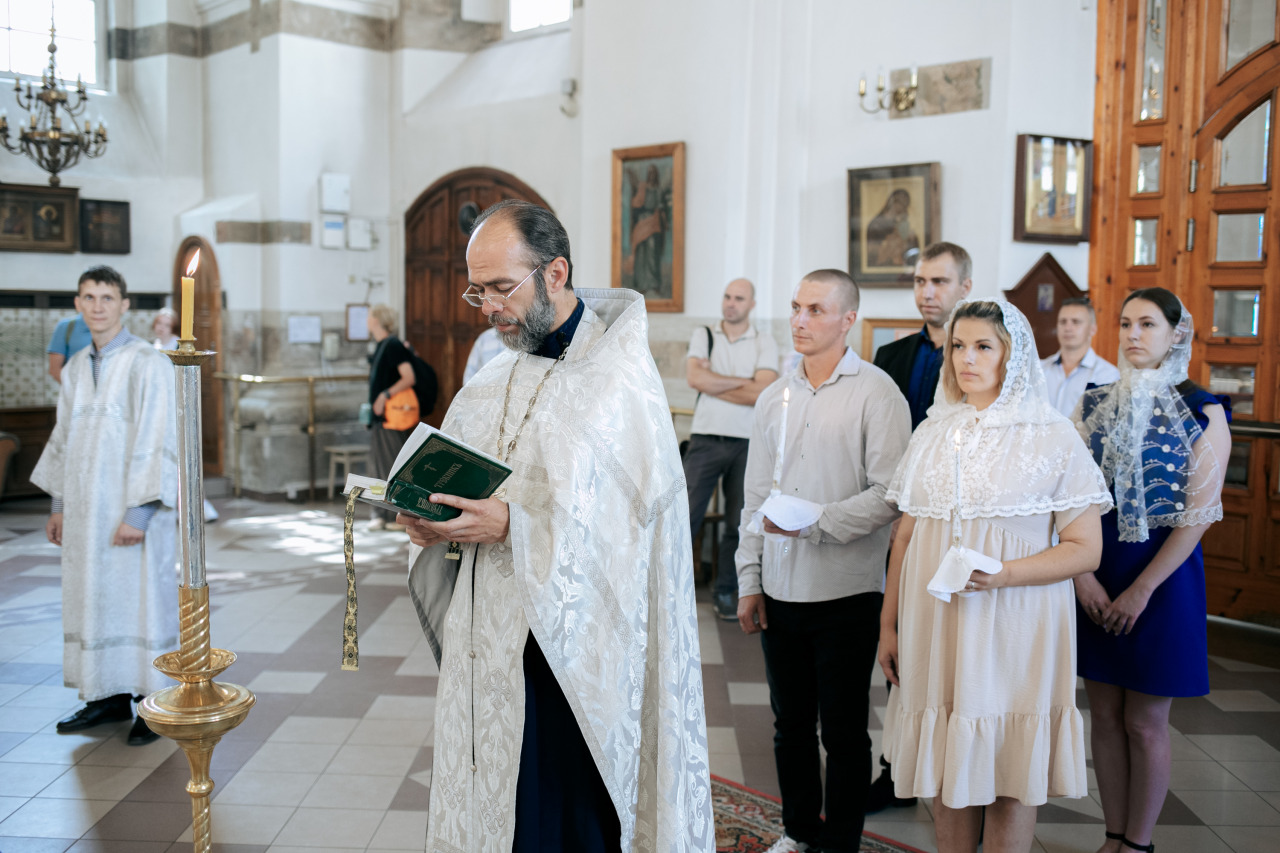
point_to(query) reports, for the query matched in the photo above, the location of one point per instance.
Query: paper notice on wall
(333, 231)
(304, 329)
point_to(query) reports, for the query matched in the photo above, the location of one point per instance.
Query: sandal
(1142, 848)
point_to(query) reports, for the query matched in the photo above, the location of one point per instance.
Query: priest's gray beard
(533, 330)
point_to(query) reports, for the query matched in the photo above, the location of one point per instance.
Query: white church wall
(498, 107)
(765, 96)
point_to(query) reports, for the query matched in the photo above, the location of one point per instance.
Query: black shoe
(882, 796)
(726, 606)
(141, 733)
(113, 709)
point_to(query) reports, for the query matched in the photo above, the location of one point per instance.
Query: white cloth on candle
(114, 447)
(953, 574)
(598, 568)
(786, 511)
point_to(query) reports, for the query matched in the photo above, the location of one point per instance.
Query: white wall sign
(304, 329)
(333, 231)
(359, 234)
(335, 193)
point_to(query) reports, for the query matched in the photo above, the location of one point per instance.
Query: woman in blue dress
(1162, 443)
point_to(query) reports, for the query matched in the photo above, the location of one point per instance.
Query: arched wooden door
(1186, 198)
(439, 325)
(1234, 291)
(208, 332)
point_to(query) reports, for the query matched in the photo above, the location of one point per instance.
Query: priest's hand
(485, 521)
(53, 529)
(751, 614)
(127, 535)
(770, 527)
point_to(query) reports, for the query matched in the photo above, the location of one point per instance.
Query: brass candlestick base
(197, 711)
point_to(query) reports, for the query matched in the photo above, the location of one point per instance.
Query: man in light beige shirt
(816, 593)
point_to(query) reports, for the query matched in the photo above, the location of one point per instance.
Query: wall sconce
(901, 98)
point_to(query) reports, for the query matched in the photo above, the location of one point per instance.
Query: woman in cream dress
(984, 711)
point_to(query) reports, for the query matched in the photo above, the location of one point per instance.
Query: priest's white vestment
(114, 447)
(598, 567)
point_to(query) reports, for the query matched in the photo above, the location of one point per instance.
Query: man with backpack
(728, 365)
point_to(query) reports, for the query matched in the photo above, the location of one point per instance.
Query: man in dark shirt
(944, 276)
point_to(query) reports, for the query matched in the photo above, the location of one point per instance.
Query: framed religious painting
(104, 227)
(38, 219)
(877, 332)
(648, 223)
(894, 212)
(1053, 181)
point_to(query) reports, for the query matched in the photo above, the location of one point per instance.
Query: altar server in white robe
(111, 468)
(569, 710)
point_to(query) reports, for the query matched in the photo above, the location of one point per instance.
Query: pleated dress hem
(1029, 757)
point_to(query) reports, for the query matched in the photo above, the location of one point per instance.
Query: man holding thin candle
(111, 468)
(830, 432)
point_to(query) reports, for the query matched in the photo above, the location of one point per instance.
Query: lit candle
(782, 437)
(862, 85)
(914, 76)
(189, 299)
(880, 79)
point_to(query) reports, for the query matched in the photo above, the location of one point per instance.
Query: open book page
(374, 489)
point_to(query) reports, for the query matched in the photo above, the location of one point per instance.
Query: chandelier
(53, 141)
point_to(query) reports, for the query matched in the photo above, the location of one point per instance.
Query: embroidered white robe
(598, 566)
(115, 447)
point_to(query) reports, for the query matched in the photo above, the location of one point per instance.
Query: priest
(569, 709)
(111, 467)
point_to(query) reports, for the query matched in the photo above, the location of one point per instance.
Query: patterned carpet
(748, 821)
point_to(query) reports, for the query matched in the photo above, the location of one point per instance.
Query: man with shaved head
(728, 365)
(814, 592)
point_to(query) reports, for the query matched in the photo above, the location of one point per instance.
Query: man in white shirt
(1075, 365)
(729, 365)
(815, 592)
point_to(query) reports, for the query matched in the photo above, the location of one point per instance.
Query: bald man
(728, 365)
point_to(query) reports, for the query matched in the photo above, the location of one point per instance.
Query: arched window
(528, 14)
(24, 38)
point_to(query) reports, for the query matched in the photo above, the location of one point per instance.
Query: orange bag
(402, 411)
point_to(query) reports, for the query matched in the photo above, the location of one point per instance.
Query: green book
(439, 465)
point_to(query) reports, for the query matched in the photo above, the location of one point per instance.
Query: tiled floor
(341, 760)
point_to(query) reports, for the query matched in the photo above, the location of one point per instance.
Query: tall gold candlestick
(198, 711)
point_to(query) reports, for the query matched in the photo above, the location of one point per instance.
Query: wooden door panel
(1201, 102)
(439, 324)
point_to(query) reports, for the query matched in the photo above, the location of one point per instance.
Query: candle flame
(195, 263)
(958, 438)
(786, 395)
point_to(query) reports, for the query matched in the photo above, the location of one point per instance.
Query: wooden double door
(439, 325)
(1186, 198)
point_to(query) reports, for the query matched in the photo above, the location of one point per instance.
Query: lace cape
(1144, 436)
(1019, 456)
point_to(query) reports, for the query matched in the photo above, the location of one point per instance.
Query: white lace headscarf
(1144, 437)
(1018, 456)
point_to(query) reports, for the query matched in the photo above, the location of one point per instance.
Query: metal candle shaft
(191, 485)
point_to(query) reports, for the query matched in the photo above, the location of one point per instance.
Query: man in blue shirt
(944, 276)
(69, 337)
